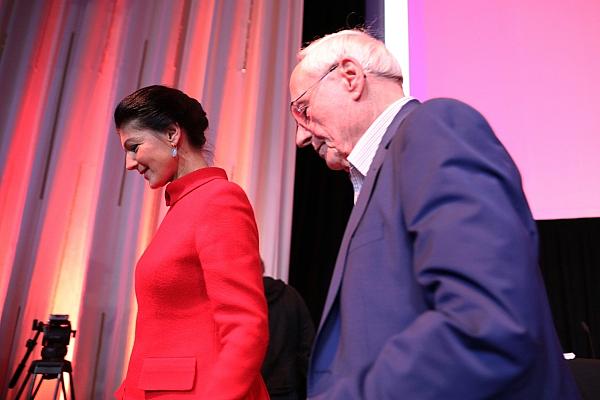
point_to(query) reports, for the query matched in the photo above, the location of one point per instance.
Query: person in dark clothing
(291, 332)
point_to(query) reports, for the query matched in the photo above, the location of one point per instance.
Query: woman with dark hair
(201, 329)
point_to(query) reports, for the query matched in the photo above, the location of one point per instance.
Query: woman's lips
(143, 172)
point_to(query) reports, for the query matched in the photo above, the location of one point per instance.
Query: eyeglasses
(299, 111)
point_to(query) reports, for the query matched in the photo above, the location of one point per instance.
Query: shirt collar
(361, 156)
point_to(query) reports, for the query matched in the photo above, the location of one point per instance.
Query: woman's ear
(353, 76)
(174, 133)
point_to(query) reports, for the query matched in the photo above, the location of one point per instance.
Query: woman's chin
(156, 184)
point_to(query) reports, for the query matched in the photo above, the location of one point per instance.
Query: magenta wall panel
(533, 69)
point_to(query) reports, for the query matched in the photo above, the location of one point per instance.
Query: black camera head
(57, 335)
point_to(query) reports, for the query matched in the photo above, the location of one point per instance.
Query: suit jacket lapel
(361, 204)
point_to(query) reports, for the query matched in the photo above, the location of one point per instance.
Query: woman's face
(148, 152)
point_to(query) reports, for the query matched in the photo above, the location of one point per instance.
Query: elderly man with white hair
(436, 292)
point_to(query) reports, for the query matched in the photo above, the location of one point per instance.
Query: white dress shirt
(361, 156)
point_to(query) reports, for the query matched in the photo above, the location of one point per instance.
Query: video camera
(57, 335)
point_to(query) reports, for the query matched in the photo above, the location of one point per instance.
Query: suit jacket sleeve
(474, 252)
(228, 249)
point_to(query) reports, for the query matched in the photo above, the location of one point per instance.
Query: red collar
(184, 185)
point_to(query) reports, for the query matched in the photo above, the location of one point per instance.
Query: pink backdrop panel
(531, 67)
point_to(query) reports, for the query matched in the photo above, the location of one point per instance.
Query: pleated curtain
(72, 221)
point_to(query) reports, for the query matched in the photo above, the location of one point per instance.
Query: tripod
(53, 365)
(48, 370)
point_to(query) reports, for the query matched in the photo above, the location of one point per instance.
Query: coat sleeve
(227, 245)
(474, 258)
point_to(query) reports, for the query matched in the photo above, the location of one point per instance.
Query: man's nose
(303, 136)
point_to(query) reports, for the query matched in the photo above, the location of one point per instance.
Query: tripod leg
(32, 392)
(23, 386)
(62, 384)
(58, 383)
(71, 387)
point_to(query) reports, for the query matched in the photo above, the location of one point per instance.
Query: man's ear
(353, 76)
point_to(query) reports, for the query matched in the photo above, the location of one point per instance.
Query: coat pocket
(365, 236)
(177, 373)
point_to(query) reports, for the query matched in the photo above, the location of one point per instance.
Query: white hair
(370, 53)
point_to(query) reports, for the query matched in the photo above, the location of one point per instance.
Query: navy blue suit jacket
(436, 292)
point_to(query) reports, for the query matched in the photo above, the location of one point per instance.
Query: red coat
(201, 329)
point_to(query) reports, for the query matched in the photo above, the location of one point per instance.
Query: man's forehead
(295, 80)
(300, 79)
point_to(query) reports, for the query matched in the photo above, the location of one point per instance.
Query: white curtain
(72, 223)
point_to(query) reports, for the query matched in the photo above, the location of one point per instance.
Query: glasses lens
(299, 112)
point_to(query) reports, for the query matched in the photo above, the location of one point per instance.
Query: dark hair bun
(156, 107)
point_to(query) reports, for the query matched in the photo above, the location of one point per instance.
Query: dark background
(323, 199)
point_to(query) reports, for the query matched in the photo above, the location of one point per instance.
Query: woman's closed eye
(132, 147)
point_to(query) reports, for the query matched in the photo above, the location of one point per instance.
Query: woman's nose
(130, 162)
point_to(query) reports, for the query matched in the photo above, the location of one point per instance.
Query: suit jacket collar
(361, 204)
